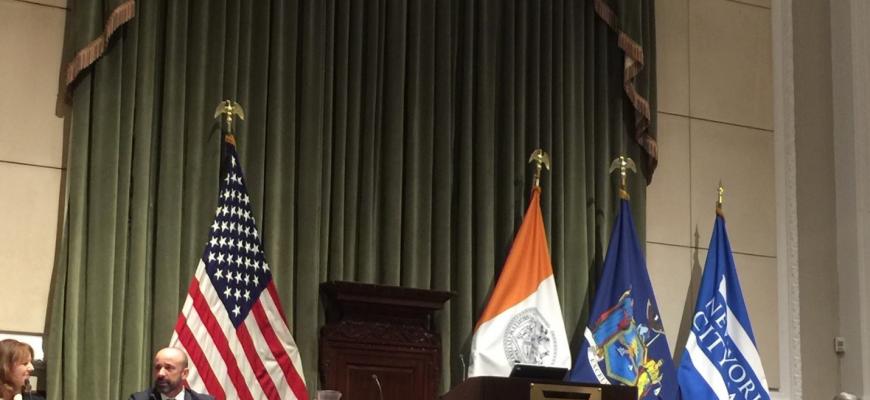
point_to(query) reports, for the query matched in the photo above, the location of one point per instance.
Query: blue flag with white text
(721, 360)
(625, 340)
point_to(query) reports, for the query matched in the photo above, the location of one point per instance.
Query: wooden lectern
(380, 342)
(492, 388)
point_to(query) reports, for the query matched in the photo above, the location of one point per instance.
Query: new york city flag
(721, 360)
(625, 340)
(522, 322)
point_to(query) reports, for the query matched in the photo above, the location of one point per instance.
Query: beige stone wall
(31, 157)
(715, 110)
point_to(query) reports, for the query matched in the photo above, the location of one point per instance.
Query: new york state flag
(625, 341)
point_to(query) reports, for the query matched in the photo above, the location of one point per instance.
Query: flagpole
(720, 312)
(623, 164)
(622, 345)
(524, 299)
(541, 160)
(228, 108)
(233, 290)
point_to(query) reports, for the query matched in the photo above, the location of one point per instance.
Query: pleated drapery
(385, 142)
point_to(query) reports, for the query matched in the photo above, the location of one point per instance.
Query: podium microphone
(380, 389)
(27, 392)
(464, 368)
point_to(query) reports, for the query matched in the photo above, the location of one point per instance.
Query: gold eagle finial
(623, 164)
(541, 160)
(229, 108)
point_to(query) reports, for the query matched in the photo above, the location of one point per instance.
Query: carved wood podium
(380, 341)
(497, 388)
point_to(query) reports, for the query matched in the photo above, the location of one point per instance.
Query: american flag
(232, 325)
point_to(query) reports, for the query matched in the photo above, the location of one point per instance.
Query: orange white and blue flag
(522, 323)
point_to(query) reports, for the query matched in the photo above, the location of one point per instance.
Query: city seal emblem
(528, 339)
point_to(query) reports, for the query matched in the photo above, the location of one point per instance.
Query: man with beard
(170, 371)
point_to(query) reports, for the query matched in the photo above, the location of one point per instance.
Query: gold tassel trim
(95, 49)
(634, 62)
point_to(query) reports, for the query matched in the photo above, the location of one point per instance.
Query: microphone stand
(380, 389)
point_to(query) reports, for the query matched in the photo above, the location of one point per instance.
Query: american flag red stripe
(198, 358)
(247, 384)
(273, 293)
(232, 324)
(277, 348)
(189, 336)
(256, 363)
(272, 311)
(219, 342)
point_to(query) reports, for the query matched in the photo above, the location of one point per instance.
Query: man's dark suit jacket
(152, 395)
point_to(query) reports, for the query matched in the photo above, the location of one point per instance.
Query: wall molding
(850, 66)
(861, 101)
(786, 200)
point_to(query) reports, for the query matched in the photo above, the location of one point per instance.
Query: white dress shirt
(179, 396)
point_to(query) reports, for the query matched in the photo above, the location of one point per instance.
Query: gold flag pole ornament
(623, 164)
(721, 192)
(229, 108)
(541, 160)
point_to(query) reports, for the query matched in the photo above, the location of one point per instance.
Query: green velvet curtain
(385, 142)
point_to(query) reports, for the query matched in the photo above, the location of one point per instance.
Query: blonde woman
(16, 364)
